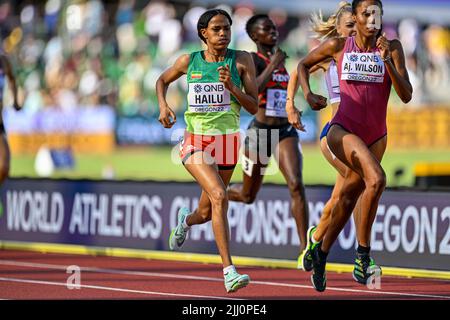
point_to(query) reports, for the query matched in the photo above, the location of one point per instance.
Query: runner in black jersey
(270, 132)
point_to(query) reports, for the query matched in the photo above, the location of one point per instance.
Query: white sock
(228, 269)
(313, 240)
(184, 224)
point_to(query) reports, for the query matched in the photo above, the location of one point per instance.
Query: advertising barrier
(88, 129)
(139, 130)
(421, 129)
(412, 229)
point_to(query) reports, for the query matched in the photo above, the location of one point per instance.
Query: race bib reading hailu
(208, 97)
(365, 67)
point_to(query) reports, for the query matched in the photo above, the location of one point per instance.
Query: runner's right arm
(178, 69)
(328, 49)
(294, 115)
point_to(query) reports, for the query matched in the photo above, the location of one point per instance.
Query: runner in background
(368, 64)
(270, 132)
(210, 146)
(339, 24)
(6, 72)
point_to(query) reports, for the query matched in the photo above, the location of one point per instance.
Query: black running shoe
(318, 277)
(364, 268)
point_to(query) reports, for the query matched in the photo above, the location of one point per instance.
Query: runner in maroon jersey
(368, 64)
(270, 132)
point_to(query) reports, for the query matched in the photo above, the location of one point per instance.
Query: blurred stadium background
(87, 73)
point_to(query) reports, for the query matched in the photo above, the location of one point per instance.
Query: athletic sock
(362, 251)
(313, 240)
(228, 269)
(184, 223)
(322, 255)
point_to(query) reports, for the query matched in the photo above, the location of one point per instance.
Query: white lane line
(418, 295)
(179, 276)
(116, 289)
(105, 270)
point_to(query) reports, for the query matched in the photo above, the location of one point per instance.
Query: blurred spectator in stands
(71, 54)
(437, 78)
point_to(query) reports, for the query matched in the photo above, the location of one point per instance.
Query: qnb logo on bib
(334, 78)
(208, 97)
(366, 67)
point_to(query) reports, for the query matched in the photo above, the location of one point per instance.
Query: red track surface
(31, 275)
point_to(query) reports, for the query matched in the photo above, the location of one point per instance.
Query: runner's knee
(376, 182)
(295, 186)
(350, 193)
(218, 196)
(347, 200)
(4, 170)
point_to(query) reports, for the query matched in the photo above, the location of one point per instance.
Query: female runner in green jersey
(210, 146)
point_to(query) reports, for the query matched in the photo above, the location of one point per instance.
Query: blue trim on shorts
(325, 129)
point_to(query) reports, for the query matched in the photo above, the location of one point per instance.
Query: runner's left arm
(394, 57)
(294, 115)
(294, 84)
(246, 68)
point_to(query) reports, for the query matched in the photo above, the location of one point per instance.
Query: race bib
(276, 103)
(208, 97)
(2, 82)
(365, 67)
(334, 77)
(247, 165)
